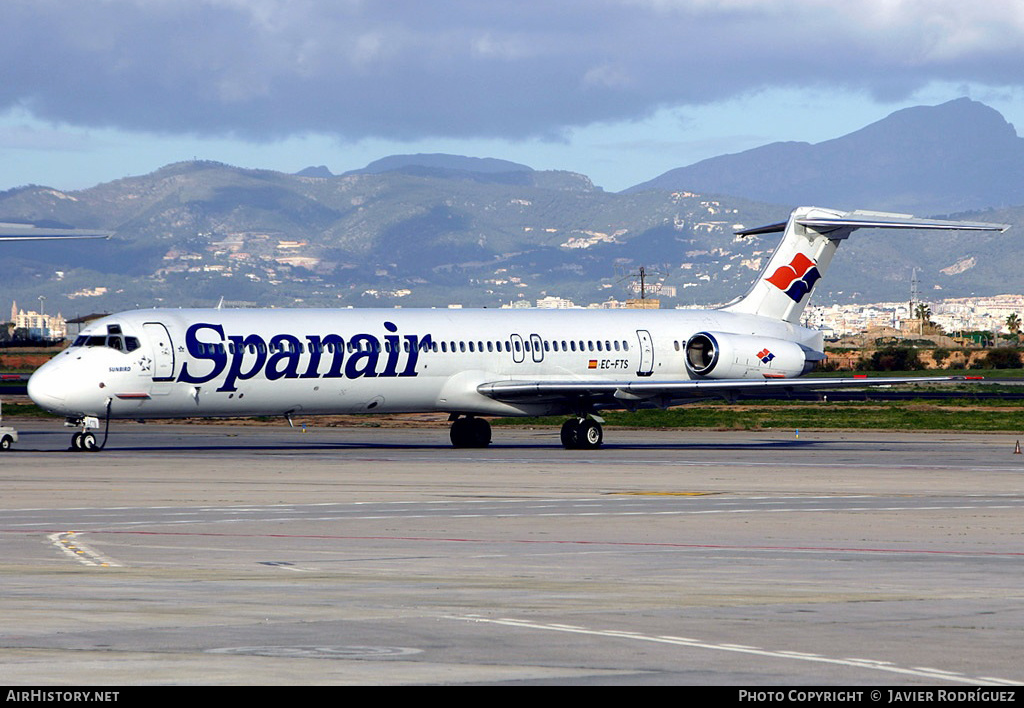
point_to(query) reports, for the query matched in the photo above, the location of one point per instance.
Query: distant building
(552, 302)
(39, 326)
(647, 303)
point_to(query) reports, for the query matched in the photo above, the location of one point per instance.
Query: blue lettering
(198, 350)
(287, 351)
(315, 347)
(415, 344)
(334, 343)
(393, 349)
(240, 358)
(363, 361)
(255, 344)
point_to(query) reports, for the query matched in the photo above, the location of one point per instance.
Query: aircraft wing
(28, 232)
(663, 393)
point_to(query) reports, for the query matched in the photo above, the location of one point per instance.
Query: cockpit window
(112, 340)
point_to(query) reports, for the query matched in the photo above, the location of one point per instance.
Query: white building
(39, 326)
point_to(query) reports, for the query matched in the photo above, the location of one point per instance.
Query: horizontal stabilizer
(873, 220)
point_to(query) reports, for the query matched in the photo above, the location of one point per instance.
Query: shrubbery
(892, 359)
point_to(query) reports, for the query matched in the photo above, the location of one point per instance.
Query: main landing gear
(470, 431)
(582, 434)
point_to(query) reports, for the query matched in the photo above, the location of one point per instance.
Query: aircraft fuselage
(184, 363)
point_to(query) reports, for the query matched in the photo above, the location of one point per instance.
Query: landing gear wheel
(582, 434)
(570, 434)
(88, 442)
(470, 432)
(591, 435)
(84, 442)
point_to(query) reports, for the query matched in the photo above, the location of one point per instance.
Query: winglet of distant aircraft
(28, 232)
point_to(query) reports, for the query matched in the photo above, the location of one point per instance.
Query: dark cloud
(408, 69)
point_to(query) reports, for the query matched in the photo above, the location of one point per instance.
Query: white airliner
(468, 363)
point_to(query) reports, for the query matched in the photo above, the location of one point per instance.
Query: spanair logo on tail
(797, 278)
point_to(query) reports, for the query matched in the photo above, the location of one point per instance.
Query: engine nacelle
(720, 355)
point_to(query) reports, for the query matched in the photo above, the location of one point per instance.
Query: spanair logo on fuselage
(797, 278)
(287, 356)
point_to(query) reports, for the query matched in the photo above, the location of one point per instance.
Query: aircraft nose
(48, 387)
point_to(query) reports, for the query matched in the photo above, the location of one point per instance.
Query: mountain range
(430, 230)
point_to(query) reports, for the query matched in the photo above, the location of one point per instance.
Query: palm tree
(923, 313)
(1013, 323)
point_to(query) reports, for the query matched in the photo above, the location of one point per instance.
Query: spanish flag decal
(592, 364)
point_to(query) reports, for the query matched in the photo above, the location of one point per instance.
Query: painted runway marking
(870, 664)
(70, 543)
(653, 545)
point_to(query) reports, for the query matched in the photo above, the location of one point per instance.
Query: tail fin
(811, 236)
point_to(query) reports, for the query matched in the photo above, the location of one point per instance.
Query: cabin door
(646, 353)
(162, 350)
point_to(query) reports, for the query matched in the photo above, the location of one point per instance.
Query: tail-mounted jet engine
(720, 355)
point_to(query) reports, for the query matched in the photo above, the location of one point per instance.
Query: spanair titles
(241, 357)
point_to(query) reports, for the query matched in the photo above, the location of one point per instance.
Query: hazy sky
(619, 90)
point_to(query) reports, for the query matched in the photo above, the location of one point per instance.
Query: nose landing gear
(85, 441)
